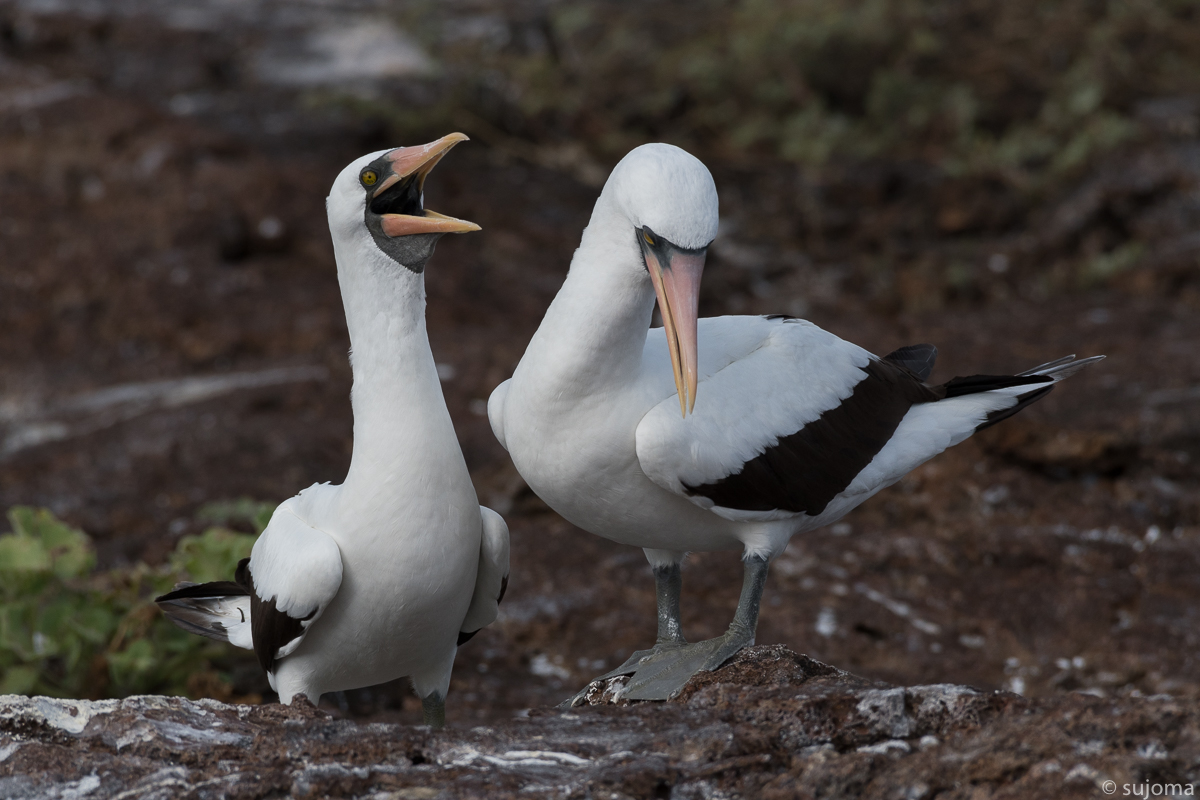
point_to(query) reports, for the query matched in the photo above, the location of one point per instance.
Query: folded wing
(293, 573)
(807, 422)
(491, 581)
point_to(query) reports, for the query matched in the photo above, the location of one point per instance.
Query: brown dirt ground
(1059, 552)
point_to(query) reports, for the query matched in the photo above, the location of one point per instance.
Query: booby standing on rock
(388, 573)
(784, 427)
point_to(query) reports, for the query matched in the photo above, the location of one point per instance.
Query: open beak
(676, 277)
(414, 164)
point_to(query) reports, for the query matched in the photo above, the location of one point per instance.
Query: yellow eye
(369, 178)
(649, 239)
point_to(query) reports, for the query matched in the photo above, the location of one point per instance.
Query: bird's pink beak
(420, 160)
(677, 285)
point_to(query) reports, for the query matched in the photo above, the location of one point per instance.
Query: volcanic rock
(770, 724)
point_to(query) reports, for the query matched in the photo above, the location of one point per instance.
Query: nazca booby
(388, 573)
(784, 426)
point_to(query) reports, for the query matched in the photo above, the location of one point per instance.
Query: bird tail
(1023, 388)
(219, 610)
(963, 406)
(1061, 368)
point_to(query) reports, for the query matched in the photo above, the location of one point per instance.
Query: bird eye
(649, 239)
(369, 177)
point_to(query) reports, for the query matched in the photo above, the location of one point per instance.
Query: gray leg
(745, 619)
(434, 707)
(668, 583)
(662, 677)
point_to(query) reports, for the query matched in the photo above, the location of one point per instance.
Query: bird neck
(594, 332)
(399, 411)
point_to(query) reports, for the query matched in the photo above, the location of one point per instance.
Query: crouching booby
(731, 433)
(388, 573)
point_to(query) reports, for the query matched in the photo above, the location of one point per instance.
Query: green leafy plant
(1026, 90)
(67, 630)
(979, 111)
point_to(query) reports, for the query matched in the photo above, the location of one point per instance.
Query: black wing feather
(917, 357)
(803, 471)
(974, 384)
(203, 590)
(270, 627)
(1022, 401)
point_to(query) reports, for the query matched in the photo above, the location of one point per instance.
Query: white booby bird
(388, 573)
(784, 427)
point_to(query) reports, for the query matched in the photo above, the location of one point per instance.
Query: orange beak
(417, 162)
(676, 277)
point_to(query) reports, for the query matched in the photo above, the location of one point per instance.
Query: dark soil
(1059, 552)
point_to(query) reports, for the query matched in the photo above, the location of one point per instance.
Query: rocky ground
(771, 724)
(171, 333)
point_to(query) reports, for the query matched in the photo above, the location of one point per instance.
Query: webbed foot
(632, 665)
(662, 671)
(661, 677)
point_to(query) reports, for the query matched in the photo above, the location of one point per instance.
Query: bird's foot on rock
(660, 673)
(662, 677)
(631, 666)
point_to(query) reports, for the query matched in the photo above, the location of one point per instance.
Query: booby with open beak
(726, 433)
(388, 573)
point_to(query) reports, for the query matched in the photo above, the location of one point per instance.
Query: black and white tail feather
(218, 610)
(292, 575)
(1027, 387)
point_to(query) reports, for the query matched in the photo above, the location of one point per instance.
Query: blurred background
(1011, 181)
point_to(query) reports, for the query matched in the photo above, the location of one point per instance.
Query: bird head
(670, 201)
(385, 192)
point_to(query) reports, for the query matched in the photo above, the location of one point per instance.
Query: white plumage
(383, 575)
(296, 567)
(785, 427)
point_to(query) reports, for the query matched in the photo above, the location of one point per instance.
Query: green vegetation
(1024, 90)
(930, 132)
(67, 630)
